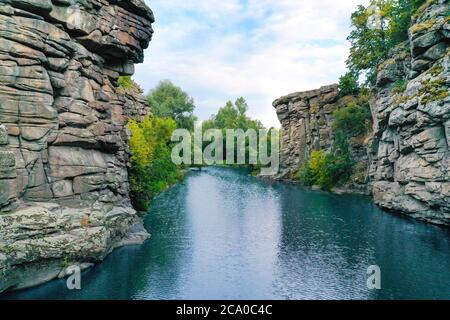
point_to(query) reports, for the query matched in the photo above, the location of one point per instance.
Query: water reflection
(223, 234)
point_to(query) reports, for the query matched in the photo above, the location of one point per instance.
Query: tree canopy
(152, 169)
(169, 101)
(233, 116)
(376, 29)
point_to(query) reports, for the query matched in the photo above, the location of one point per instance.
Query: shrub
(152, 169)
(351, 120)
(328, 170)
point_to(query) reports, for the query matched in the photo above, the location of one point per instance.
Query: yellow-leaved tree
(152, 169)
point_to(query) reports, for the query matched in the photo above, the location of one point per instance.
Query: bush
(348, 84)
(152, 169)
(351, 120)
(328, 170)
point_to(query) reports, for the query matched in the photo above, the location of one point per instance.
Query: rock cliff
(64, 193)
(408, 153)
(307, 122)
(412, 127)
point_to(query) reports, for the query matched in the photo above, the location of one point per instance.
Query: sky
(219, 50)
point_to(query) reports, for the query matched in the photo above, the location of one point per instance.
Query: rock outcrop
(307, 122)
(64, 193)
(408, 155)
(412, 124)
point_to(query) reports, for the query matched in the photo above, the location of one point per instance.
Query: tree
(351, 120)
(170, 101)
(152, 169)
(368, 40)
(376, 29)
(234, 116)
(348, 84)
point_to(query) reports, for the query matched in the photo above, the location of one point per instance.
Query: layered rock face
(307, 122)
(63, 142)
(408, 155)
(307, 125)
(412, 128)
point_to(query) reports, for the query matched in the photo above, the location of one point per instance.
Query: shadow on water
(222, 234)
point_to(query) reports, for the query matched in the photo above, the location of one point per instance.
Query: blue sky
(219, 50)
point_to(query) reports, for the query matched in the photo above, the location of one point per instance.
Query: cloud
(258, 49)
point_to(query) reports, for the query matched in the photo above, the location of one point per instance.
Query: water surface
(222, 234)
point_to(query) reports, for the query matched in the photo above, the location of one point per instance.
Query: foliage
(170, 101)
(126, 83)
(400, 86)
(234, 116)
(351, 120)
(152, 169)
(348, 84)
(328, 169)
(376, 29)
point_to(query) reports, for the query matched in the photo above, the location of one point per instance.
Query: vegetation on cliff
(376, 29)
(348, 84)
(126, 83)
(152, 169)
(335, 166)
(351, 121)
(328, 169)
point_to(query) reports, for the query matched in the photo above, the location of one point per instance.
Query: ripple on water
(222, 234)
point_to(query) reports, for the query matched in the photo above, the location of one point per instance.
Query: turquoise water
(222, 234)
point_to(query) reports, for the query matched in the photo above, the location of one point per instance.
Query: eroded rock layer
(412, 128)
(307, 122)
(408, 156)
(63, 142)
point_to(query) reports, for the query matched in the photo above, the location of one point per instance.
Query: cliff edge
(407, 154)
(64, 192)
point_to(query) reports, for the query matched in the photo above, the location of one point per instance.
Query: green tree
(376, 29)
(234, 116)
(368, 40)
(169, 101)
(351, 120)
(348, 84)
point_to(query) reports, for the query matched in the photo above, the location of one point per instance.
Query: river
(222, 234)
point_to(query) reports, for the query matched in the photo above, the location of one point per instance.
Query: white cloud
(219, 50)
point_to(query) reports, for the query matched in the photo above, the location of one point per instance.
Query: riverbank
(222, 234)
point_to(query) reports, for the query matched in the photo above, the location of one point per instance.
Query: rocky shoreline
(405, 160)
(64, 192)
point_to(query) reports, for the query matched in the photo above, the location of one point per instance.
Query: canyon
(64, 192)
(404, 161)
(64, 154)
